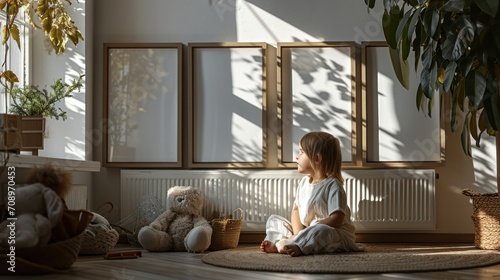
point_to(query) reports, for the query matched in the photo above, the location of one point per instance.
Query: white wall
(271, 21)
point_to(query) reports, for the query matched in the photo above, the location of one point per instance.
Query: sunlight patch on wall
(321, 80)
(390, 124)
(75, 148)
(403, 132)
(76, 105)
(484, 161)
(253, 24)
(247, 141)
(233, 131)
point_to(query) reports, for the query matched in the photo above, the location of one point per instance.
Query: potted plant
(457, 43)
(34, 105)
(52, 18)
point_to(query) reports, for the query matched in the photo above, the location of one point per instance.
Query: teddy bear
(181, 227)
(37, 207)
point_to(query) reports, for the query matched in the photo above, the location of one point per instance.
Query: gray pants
(316, 239)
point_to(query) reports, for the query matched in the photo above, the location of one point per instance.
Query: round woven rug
(383, 258)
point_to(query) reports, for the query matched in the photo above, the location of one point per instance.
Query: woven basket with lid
(486, 218)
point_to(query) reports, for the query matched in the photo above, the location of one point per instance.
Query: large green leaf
(427, 56)
(430, 105)
(453, 112)
(492, 112)
(431, 21)
(460, 94)
(449, 75)
(414, 3)
(473, 131)
(466, 65)
(458, 38)
(428, 78)
(488, 6)
(475, 87)
(424, 104)
(390, 22)
(401, 67)
(454, 6)
(493, 38)
(453, 41)
(402, 26)
(417, 46)
(419, 97)
(370, 3)
(405, 44)
(433, 77)
(491, 41)
(482, 121)
(413, 23)
(490, 103)
(466, 138)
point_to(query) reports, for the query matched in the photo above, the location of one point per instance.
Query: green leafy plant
(50, 16)
(457, 45)
(33, 101)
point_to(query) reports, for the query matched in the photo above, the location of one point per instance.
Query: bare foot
(268, 247)
(293, 250)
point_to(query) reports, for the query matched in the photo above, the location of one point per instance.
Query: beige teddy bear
(181, 227)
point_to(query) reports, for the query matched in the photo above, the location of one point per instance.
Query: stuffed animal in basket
(37, 206)
(181, 227)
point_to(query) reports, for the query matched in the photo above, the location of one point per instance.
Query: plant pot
(10, 132)
(121, 153)
(33, 131)
(486, 218)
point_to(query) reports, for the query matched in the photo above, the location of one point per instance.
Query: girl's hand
(334, 220)
(296, 224)
(291, 237)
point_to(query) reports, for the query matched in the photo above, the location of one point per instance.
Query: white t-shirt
(317, 201)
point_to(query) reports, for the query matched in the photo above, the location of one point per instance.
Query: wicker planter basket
(98, 240)
(53, 257)
(226, 232)
(486, 218)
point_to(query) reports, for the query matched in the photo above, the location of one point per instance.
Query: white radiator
(380, 200)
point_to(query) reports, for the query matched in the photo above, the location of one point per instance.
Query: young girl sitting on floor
(321, 220)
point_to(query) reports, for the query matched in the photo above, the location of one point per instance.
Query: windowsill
(29, 161)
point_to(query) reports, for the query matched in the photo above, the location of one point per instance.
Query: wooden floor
(188, 266)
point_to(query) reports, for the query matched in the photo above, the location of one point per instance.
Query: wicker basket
(226, 232)
(99, 238)
(485, 215)
(53, 257)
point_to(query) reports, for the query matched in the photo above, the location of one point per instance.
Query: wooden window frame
(367, 110)
(194, 93)
(285, 95)
(106, 161)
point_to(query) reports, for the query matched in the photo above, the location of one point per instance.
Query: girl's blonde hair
(328, 147)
